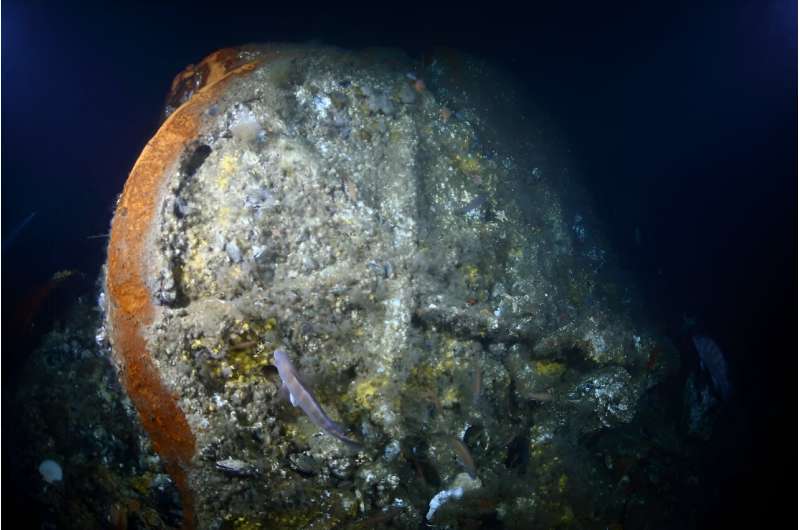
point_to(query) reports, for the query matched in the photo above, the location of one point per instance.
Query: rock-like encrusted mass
(398, 229)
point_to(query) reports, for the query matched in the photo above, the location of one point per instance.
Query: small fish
(301, 397)
(713, 361)
(236, 468)
(464, 455)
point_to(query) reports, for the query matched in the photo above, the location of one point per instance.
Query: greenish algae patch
(366, 391)
(550, 368)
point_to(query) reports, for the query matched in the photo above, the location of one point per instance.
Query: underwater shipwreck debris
(306, 198)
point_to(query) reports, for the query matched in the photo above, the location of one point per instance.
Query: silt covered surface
(401, 230)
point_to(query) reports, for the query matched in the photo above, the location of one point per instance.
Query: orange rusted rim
(130, 305)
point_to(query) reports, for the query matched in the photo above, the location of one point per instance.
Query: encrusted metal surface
(391, 225)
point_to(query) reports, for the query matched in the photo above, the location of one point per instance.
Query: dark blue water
(680, 120)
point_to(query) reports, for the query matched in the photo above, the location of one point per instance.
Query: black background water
(681, 120)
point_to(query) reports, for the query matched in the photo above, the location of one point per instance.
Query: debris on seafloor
(72, 408)
(462, 484)
(442, 497)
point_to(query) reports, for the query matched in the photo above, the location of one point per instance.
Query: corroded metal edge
(130, 305)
